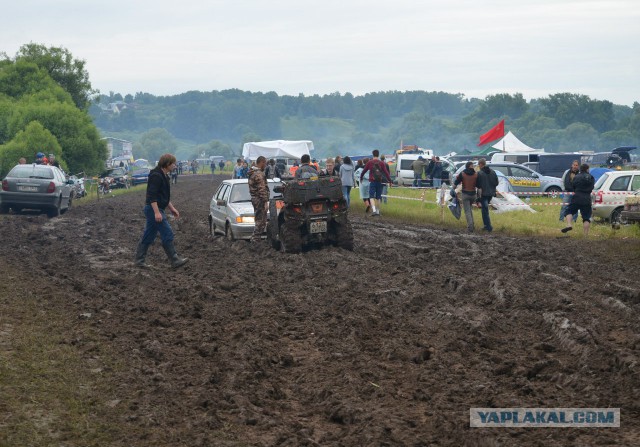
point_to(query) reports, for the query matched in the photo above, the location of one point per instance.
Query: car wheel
(55, 211)
(62, 211)
(615, 215)
(229, 233)
(553, 191)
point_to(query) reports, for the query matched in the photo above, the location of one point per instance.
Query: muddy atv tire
(290, 238)
(275, 243)
(343, 235)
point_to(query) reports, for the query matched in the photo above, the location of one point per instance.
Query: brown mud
(390, 344)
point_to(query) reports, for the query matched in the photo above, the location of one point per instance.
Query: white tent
(510, 143)
(277, 149)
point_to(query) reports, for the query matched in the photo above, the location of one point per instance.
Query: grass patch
(544, 222)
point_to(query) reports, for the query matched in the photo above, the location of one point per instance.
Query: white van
(404, 171)
(515, 157)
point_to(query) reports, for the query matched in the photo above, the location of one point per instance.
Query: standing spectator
(418, 168)
(385, 186)
(428, 172)
(487, 183)
(315, 164)
(259, 191)
(213, 167)
(174, 176)
(237, 170)
(40, 159)
(293, 169)
(272, 171)
(306, 171)
(180, 167)
(245, 170)
(221, 165)
(336, 167)
(436, 173)
(53, 161)
(567, 181)
(157, 200)
(378, 175)
(329, 164)
(363, 184)
(581, 200)
(346, 176)
(468, 177)
(22, 161)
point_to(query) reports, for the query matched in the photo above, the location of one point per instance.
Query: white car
(610, 192)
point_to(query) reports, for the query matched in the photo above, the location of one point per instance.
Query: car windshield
(31, 171)
(240, 192)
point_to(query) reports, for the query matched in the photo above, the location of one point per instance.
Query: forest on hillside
(219, 122)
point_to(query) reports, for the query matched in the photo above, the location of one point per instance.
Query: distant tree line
(342, 123)
(44, 99)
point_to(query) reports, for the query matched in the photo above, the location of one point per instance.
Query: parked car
(609, 206)
(553, 165)
(524, 179)
(39, 187)
(231, 211)
(631, 211)
(140, 176)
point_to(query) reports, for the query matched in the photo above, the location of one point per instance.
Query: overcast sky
(473, 47)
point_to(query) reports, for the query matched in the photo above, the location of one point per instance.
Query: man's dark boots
(176, 261)
(141, 254)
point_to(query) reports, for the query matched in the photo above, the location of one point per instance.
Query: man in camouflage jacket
(259, 191)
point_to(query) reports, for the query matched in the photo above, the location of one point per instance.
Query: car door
(524, 180)
(218, 211)
(635, 183)
(65, 188)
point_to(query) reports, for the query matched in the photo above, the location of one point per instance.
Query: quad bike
(310, 212)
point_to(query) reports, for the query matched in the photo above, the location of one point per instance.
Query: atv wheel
(290, 239)
(343, 235)
(275, 243)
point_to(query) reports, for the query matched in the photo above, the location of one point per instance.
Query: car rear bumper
(29, 200)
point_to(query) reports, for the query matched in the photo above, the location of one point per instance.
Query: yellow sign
(524, 182)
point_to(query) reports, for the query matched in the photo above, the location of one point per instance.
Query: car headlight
(245, 219)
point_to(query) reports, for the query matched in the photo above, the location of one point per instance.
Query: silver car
(231, 211)
(524, 179)
(32, 186)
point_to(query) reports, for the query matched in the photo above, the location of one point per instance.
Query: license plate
(28, 188)
(318, 227)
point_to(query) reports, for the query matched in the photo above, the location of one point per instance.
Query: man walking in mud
(157, 200)
(468, 177)
(259, 190)
(582, 186)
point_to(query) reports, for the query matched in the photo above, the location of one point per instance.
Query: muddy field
(388, 345)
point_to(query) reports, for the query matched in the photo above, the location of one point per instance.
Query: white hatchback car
(610, 191)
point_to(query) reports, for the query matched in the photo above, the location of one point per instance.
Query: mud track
(390, 344)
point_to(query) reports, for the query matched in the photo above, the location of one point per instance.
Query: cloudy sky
(475, 47)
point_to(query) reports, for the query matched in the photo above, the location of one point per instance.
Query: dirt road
(390, 344)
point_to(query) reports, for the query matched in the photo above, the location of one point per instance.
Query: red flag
(496, 132)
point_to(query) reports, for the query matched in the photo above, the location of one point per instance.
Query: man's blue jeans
(152, 228)
(417, 179)
(437, 182)
(486, 220)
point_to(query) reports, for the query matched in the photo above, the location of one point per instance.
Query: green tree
(34, 138)
(83, 150)
(153, 143)
(63, 68)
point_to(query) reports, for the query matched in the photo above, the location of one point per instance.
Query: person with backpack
(486, 183)
(378, 175)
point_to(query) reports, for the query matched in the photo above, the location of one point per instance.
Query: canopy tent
(486, 152)
(510, 143)
(277, 149)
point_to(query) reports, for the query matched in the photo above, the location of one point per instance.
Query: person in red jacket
(378, 176)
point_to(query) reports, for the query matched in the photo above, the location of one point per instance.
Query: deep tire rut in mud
(389, 344)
